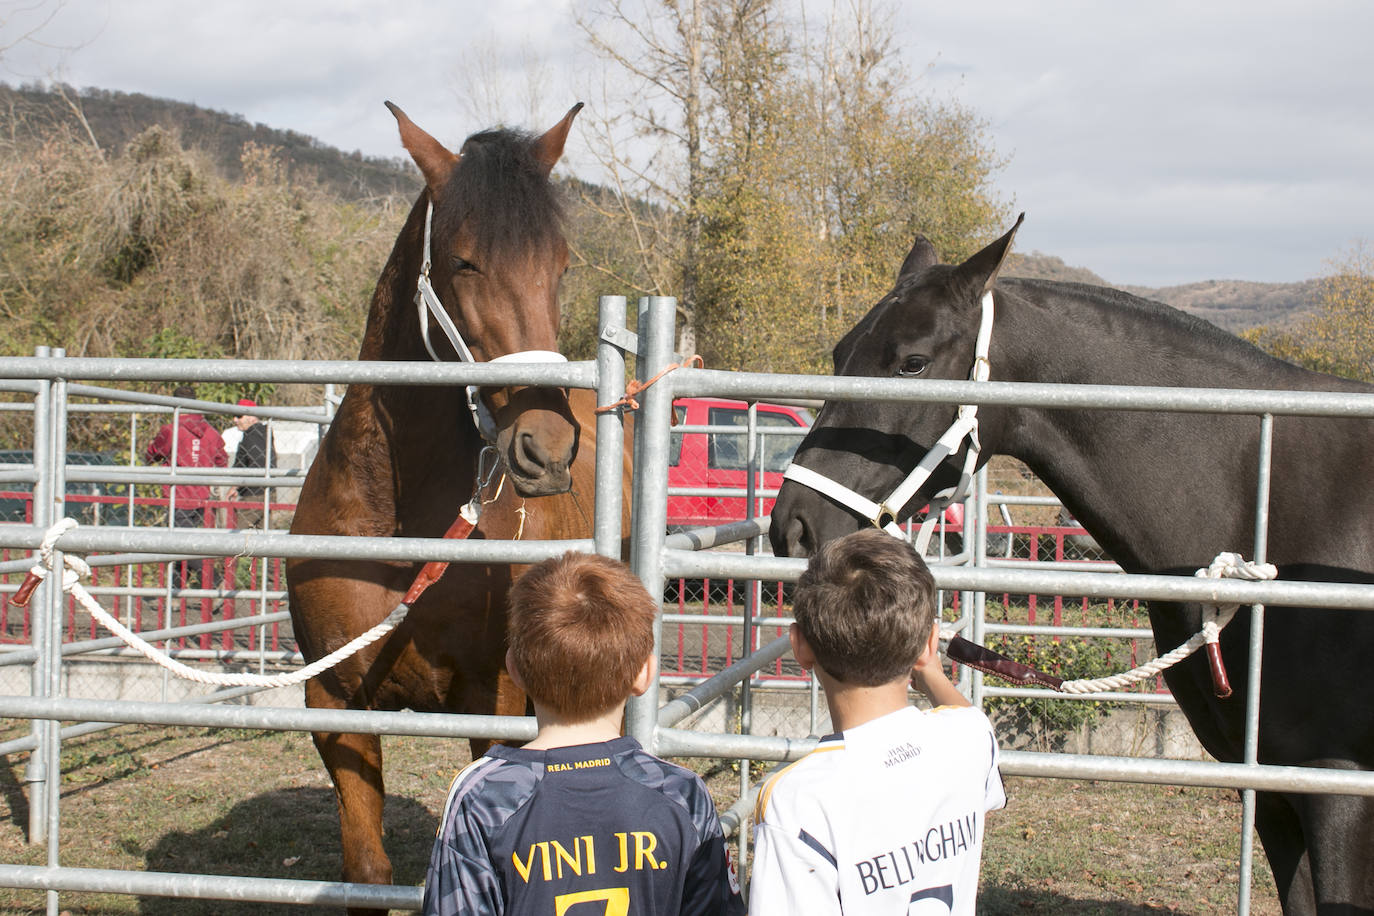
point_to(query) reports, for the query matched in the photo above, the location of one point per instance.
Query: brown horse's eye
(463, 266)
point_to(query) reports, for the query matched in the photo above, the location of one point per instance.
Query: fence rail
(653, 559)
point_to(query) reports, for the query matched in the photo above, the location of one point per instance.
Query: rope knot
(1214, 618)
(1234, 566)
(635, 386)
(76, 567)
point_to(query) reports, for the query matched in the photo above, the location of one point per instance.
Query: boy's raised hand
(928, 676)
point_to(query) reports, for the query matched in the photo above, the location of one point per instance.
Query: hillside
(1233, 305)
(1038, 266)
(115, 118)
(1236, 305)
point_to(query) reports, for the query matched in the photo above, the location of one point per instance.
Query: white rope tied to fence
(76, 569)
(1225, 566)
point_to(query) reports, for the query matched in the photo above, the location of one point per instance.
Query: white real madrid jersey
(886, 818)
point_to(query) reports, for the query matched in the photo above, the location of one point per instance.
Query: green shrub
(1070, 658)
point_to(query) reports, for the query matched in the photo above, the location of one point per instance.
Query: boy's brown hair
(866, 605)
(580, 629)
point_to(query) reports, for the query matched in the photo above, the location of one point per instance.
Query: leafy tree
(787, 172)
(1339, 337)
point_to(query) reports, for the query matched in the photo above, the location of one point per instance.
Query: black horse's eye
(462, 266)
(913, 366)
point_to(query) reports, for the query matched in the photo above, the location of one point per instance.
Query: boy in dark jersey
(886, 816)
(581, 821)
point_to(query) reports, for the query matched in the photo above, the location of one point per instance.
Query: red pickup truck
(707, 461)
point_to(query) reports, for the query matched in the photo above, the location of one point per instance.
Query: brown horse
(401, 460)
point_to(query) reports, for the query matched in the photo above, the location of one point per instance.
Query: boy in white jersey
(886, 816)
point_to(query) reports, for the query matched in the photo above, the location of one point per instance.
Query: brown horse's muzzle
(537, 437)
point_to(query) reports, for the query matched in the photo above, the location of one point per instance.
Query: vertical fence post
(657, 318)
(37, 773)
(610, 430)
(56, 598)
(1252, 696)
(753, 461)
(978, 600)
(130, 602)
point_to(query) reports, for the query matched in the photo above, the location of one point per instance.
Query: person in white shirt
(887, 815)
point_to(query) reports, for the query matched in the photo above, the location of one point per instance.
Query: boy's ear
(644, 678)
(801, 649)
(513, 671)
(932, 649)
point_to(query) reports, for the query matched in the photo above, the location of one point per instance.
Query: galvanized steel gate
(46, 377)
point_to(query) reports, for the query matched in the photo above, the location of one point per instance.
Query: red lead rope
(988, 661)
(432, 571)
(25, 592)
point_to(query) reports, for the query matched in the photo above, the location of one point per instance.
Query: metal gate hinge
(623, 338)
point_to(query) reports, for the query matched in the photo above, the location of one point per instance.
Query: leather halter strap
(428, 303)
(883, 514)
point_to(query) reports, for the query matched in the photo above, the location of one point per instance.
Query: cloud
(1170, 142)
(1153, 144)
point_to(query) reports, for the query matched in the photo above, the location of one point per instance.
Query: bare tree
(504, 84)
(27, 23)
(770, 169)
(651, 153)
(23, 21)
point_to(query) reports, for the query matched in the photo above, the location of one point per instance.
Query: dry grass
(244, 803)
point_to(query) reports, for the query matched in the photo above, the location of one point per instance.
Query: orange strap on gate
(635, 386)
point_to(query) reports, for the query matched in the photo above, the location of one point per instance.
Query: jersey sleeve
(460, 884)
(462, 879)
(157, 449)
(791, 875)
(994, 795)
(711, 884)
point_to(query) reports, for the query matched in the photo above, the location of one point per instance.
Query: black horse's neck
(1159, 490)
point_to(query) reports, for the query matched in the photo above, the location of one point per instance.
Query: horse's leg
(354, 763)
(509, 701)
(1281, 832)
(1340, 836)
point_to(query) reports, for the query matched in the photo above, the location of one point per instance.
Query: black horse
(1163, 493)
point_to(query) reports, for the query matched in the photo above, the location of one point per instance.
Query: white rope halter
(965, 426)
(428, 303)
(1214, 617)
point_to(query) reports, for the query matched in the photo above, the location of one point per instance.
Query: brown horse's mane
(499, 173)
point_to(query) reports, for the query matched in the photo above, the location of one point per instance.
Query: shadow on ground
(291, 833)
(12, 793)
(1000, 901)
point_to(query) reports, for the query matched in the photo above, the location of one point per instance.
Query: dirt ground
(246, 803)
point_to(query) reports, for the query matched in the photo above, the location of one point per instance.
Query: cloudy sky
(1154, 143)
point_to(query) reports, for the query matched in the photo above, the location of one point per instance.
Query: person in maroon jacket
(197, 445)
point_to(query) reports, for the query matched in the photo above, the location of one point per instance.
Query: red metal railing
(143, 612)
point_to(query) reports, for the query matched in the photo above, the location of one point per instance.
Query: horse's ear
(921, 256)
(548, 149)
(434, 160)
(979, 272)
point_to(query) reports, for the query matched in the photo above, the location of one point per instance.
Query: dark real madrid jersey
(579, 831)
